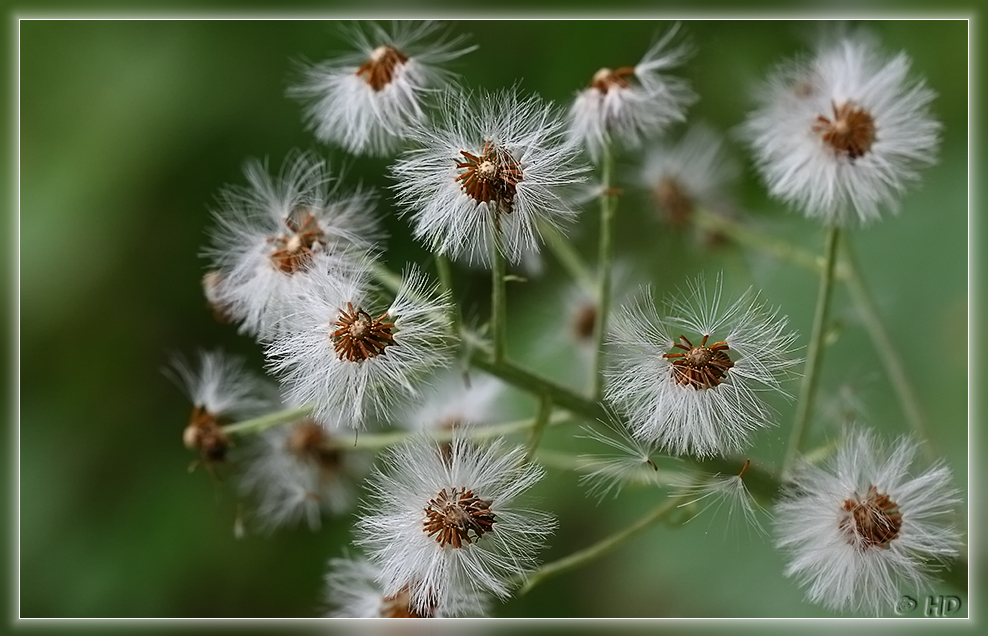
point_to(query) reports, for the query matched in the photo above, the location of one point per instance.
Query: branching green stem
(532, 382)
(568, 257)
(541, 419)
(608, 205)
(498, 302)
(445, 271)
(584, 556)
(258, 424)
(377, 441)
(814, 354)
(886, 351)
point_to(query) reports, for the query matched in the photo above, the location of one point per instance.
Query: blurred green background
(129, 129)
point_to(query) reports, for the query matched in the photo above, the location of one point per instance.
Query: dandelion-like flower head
(221, 390)
(366, 101)
(693, 172)
(630, 104)
(841, 136)
(858, 528)
(696, 394)
(272, 235)
(486, 174)
(295, 473)
(441, 518)
(352, 359)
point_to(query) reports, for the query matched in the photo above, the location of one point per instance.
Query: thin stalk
(534, 383)
(498, 303)
(445, 271)
(847, 270)
(390, 279)
(568, 257)
(780, 249)
(258, 424)
(608, 205)
(814, 354)
(377, 441)
(582, 557)
(541, 419)
(886, 351)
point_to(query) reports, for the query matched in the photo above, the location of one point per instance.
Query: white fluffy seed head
(490, 169)
(456, 399)
(366, 101)
(350, 391)
(294, 473)
(693, 172)
(354, 590)
(413, 478)
(629, 105)
(221, 384)
(841, 136)
(856, 558)
(711, 408)
(271, 235)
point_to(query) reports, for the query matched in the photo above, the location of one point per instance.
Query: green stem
(743, 235)
(541, 419)
(258, 424)
(445, 271)
(568, 257)
(391, 280)
(886, 351)
(377, 441)
(608, 204)
(582, 557)
(498, 302)
(814, 354)
(846, 270)
(534, 383)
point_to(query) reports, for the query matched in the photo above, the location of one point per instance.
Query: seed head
(451, 517)
(435, 522)
(841, 136)
(359, 336)
(701, 367)
(698, 398)
(489, 173)
(367, 101)
(850, 131)
(492, 178)
(294, 251)
(867, 526)
(379, 70)
(872, 521)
